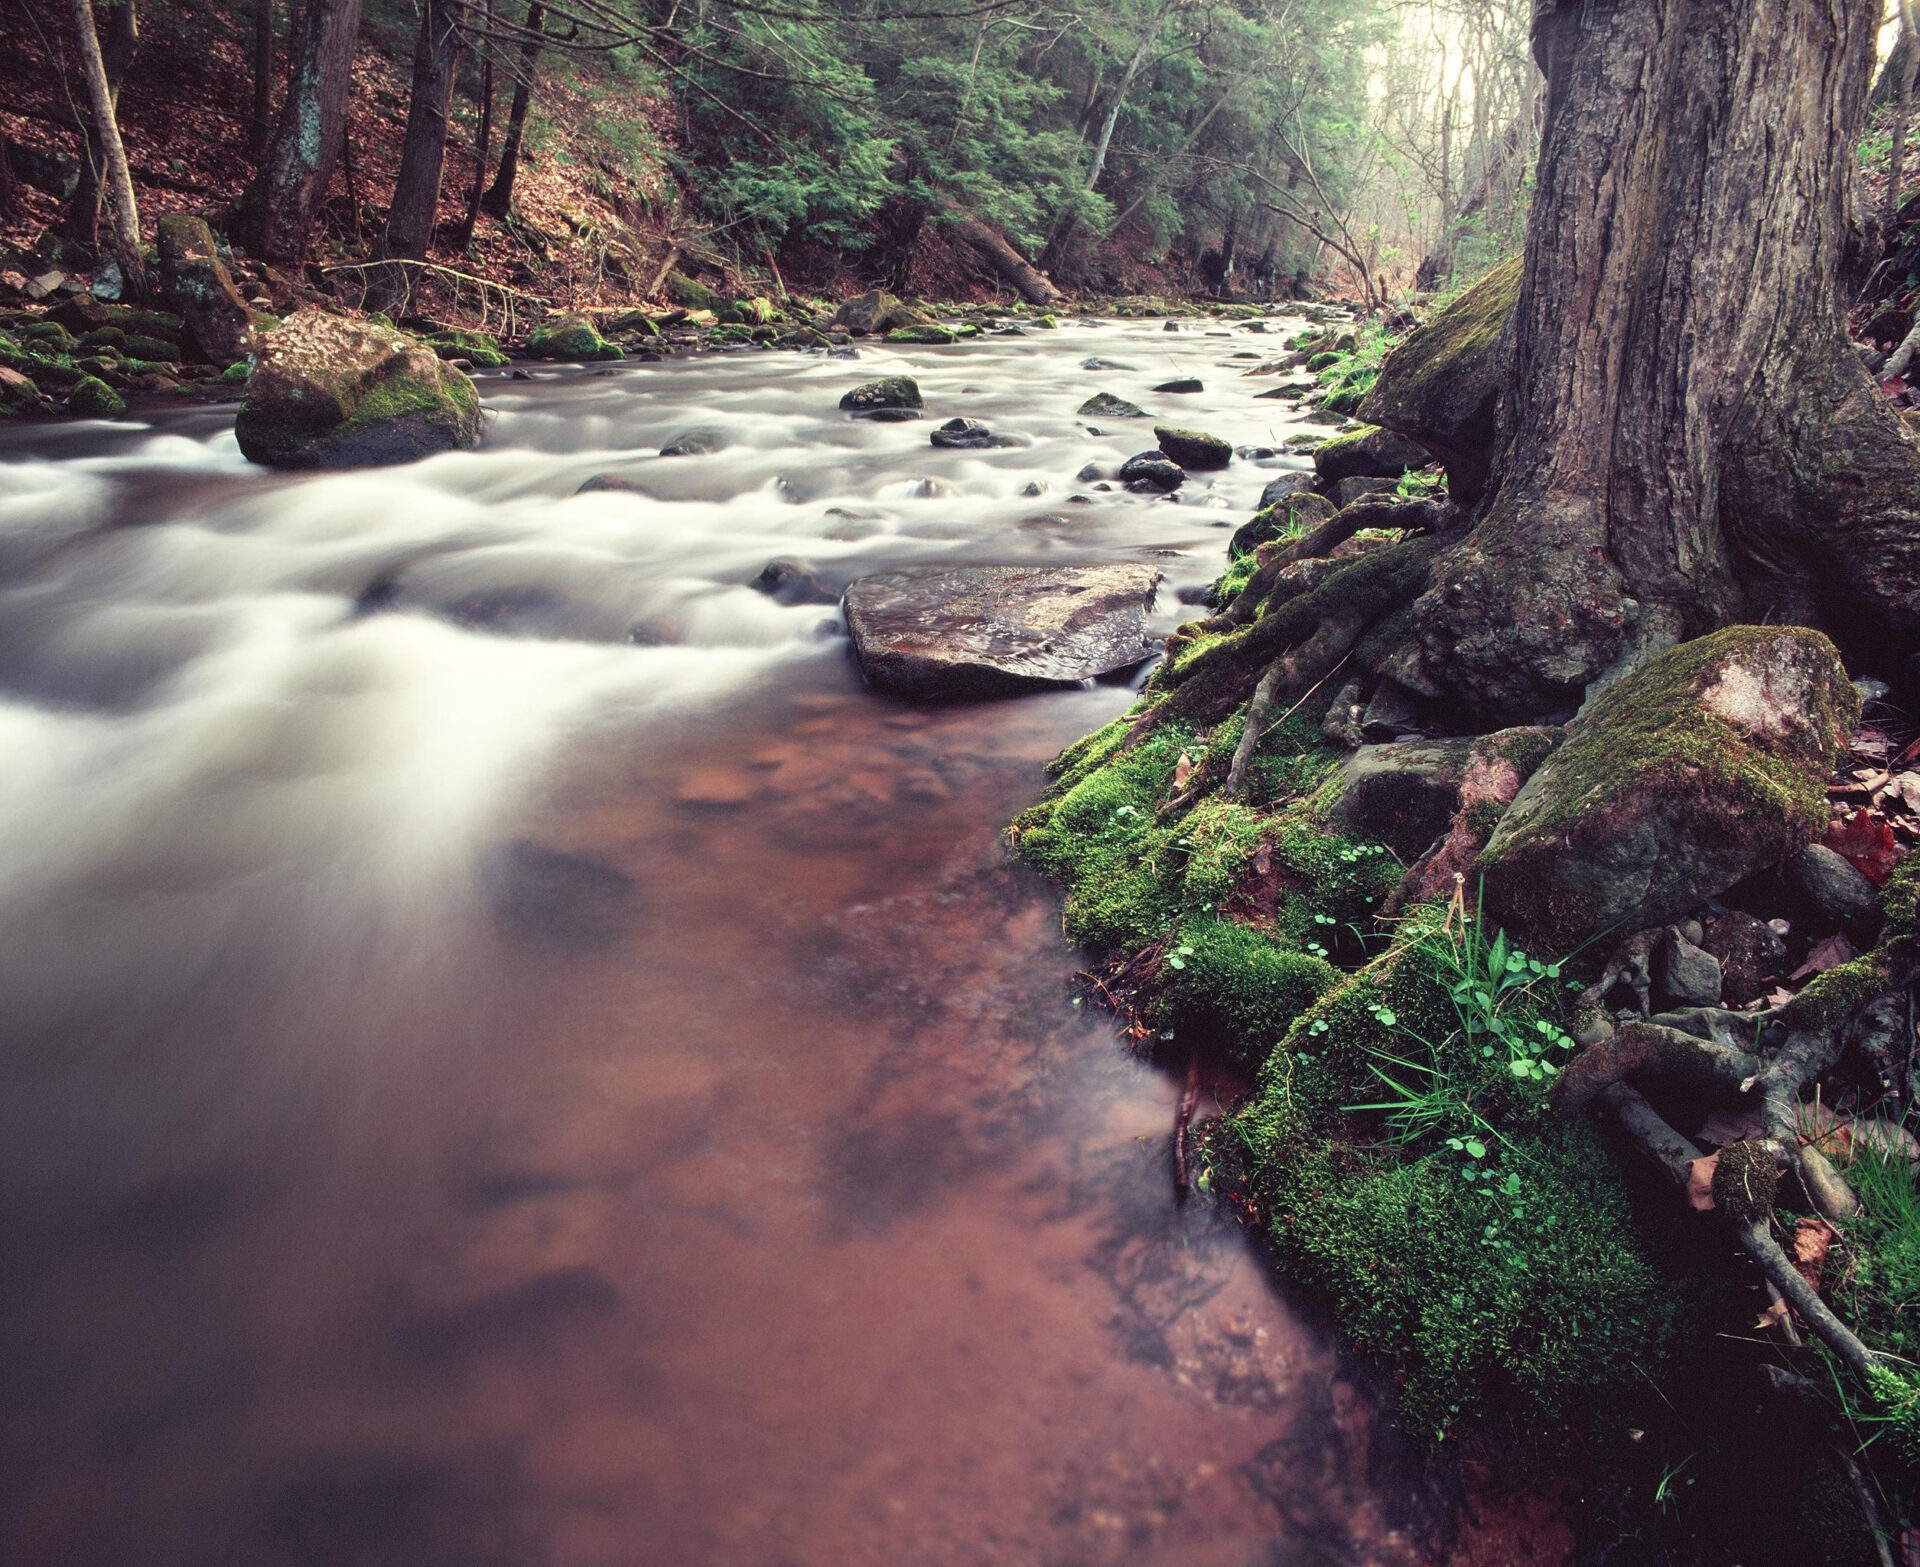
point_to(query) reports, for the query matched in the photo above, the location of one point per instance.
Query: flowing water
(510, 1055)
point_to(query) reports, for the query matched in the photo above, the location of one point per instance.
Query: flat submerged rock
(947, 632)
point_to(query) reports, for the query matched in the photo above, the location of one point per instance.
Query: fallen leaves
(1864, 840)
(1700, 1183)
(1831, 953)
(1182, 771)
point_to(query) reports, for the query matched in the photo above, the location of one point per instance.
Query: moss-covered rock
(571, 337)
(199, 287)
(477, 348)
(1368, 454)
(890, 391)
(1442, 385)
(331, 392)
(929, 333)
(1708, 763)
(158, 350)
(1104, 405)
(690, 294)
(92, 398)
(1287, 518)
(1194, 450)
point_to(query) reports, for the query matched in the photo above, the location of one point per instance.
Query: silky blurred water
(509, 1054)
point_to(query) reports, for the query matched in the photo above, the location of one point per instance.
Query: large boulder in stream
(1701, 767)
(947, 632)
(333, 392)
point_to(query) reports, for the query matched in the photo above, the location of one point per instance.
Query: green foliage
(1879, 1290)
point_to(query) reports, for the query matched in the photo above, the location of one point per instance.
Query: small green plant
(1501, 997)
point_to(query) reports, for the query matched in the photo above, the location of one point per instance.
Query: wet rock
(929, 334)
(1193, 450)
(942, 632)
(1153, 470)
(964, 435)
(1097, 363)
(616, 482)
(1703, 766)
(1347, 491)
(571, 336)
(692, 294)
(1279, 489)
(1369, 454)
(197, 285)
(1402, 795)
(1034, 487)
(875, 311)
(1394, 713)
(792, 582)
(891, 392)
(1300, 512)
(1750, 953)
(329, 392)
(477, 348)
(1089, 473)
(1183, 384)
(696, 443)
(92, 398)
(1688, 977)
(1831, 882)
(1104, 405)
(886, 415)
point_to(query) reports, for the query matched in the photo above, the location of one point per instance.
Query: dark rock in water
(964, 434)
(571, 336)
(1347, 491)
(198, 285)
(1097, 363)
(1034, 487)
(696, 443)
(890, 391)
(1153, 468)
(1194, 450)
(941, 632)
(1195, 593)
(1369, 454)
(1750, 954)
(520, 375)
(1089, 473)
(612, 481)
(1104, 405)
(875, 311)
(843, 351)
(1688, 977)
(1185, 384)
(1831, 882)
(886, 415)
(793, 582)
(1279, 489)
(330, 392)
(1704, 765)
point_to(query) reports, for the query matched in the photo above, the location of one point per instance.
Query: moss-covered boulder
(691, 294)
(477, 348)
(92, 398)
(1368, 454)
(1104, 405)
(572, 336)
(929, 334)
(1293, 514)
(1442, 386)
(1705, 765)
(889, 392)
(876, 311)
(333, 392)
(197, 284)
(1194, 450)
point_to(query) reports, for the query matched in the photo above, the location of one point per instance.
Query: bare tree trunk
(80, 224)
(423, 155)
(482, 137)
(499, 197)
(277, 213)
(106, 134)
(1909, 63)
(993, 249)
(263, 51)
(1678, 348)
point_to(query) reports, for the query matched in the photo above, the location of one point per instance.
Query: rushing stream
(510, 1055)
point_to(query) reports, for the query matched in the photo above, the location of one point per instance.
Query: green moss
(1321, 361)
(141, 346)
(570, 337)
(1229, 585)
(692, 295)
(1439, 380)
(93, 398)
(475, 347)
(1239, 984)
(1830, 997)
(235, 374)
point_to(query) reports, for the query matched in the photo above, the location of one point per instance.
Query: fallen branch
(1183, 1117)
(1262, 704)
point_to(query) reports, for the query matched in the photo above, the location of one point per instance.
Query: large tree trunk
(277, 213)
(1687, 439)
(80, 224)
(499, 197)
(423, 155)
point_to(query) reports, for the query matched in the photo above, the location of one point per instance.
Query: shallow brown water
(479, 1094)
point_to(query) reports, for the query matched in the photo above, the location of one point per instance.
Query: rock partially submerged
(1152, 470)
(1104, 405)
(1194, 450)
(891, 393)
(965, 435)
(571, 336)
(948, 632)
(331, 392)
(1705, 765)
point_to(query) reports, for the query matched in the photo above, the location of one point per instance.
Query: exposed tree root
(1416, 516)
(1183, 1118)
(1257, 710)
(1650, 1047)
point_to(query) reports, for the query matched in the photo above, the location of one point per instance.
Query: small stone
(619, 484)
(1104, 405)
(1689, 977)
(964, 435)
(1184, 384)
(792, 582)
(1692, 931)
(93, 398)
(1089, 473)
(1154, 470)
(1277, 490)
(1750, 952)
(45, 284)
(1831, 882)
(695, 443)
(1034, 487)
(1347, 491)
(1097, 363)
(1872, 690)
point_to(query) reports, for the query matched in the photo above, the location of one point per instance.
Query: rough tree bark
(104, 134)
(80, 224)
(481, 138)
(498, 199)
(262, 124)
(276, 215)
(423, 154)
(1687, 439)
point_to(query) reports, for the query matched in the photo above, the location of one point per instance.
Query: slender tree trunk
(277, 213)
(499, 197)
(1687, 439)
(482, 137)
(423, 154)
(263, 52)
(81, 222)
(106, 135)
(1909, 63)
